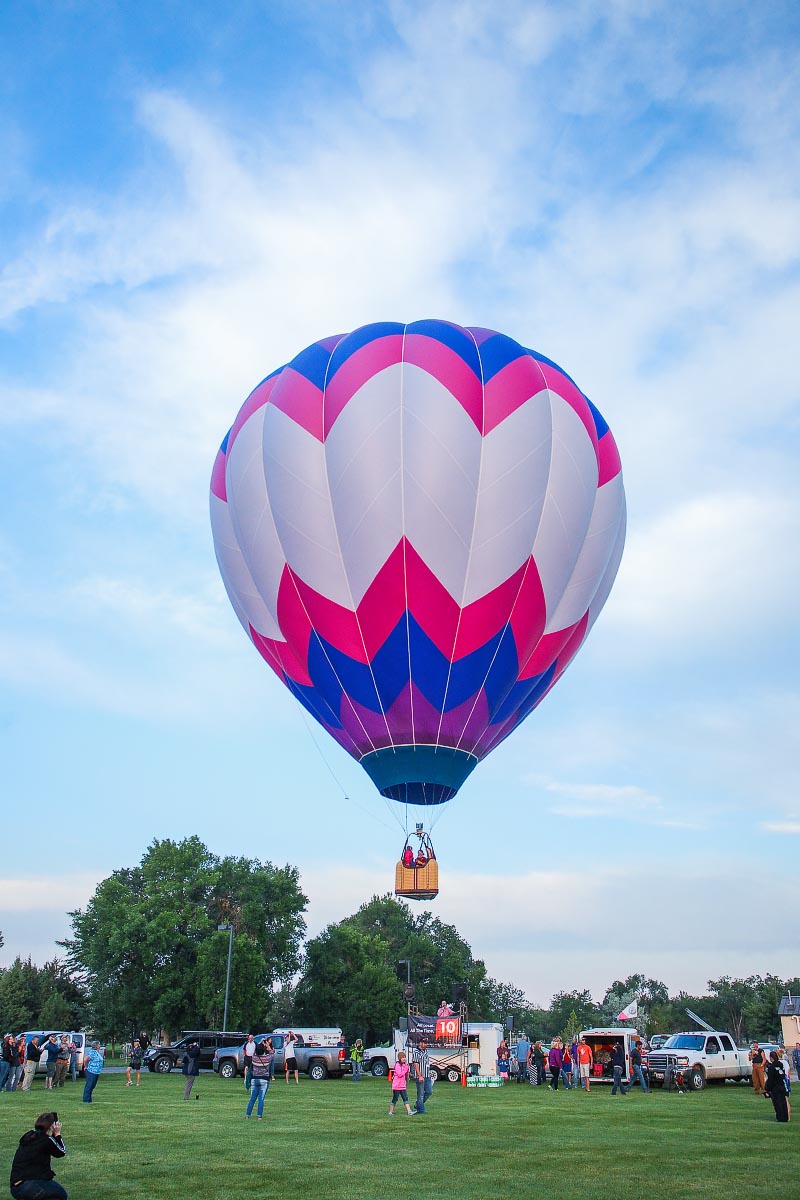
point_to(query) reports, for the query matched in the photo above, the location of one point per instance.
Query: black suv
(165, 1058)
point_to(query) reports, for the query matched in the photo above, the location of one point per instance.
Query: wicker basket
(417, 883)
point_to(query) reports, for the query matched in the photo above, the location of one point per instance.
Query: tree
(147, 942)
(347, 981)
(34, 997)
(566, 1005)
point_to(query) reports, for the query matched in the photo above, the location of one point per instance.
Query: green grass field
(335, 1140)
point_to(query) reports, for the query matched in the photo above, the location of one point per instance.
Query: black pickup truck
(164, 1059)
(318, 1062)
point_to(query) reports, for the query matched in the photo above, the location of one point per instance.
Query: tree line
(147, 953)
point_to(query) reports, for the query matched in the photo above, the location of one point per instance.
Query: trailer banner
(439, 1031)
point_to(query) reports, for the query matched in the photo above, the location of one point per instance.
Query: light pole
(229, 928)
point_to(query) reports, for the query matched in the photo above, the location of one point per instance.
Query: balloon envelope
(417, 526)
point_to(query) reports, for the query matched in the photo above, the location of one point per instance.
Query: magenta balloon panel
(417, 526)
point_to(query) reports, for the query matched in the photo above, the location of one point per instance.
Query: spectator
(20, 1061)
(357, 1058)
(776, 1088)
(796, 1060)
(787, 1070)
(758, 1059)
(566, 1067)
(289, 1060)
(400, 1083)
(32, 1055)
(135, 1063)
(618, 1067)
(62, 1061)
(190, 1066)
(554, 1061)
(637, 1068)
(10, 1063)
(261, 1073)
(73, 1061)
(444, 1010)
(32, 1176)
(573, 1053)
(523, 1050)
(584, 1057)
(50, 1056)
(502, 1060)
(249, 1051)
(421, 1063)
(93, 1065)
(538, 1062)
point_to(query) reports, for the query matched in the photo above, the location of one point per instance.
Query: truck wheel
(317, 1070)
(163, 1064)
(697, 1079)
(380, 1068)
(453, 1075)
(227, 1069)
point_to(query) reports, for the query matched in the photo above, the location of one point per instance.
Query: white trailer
(477, 1053)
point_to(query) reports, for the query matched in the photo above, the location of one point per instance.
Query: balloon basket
(417, 883)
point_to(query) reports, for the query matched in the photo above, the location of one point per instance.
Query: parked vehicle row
(313, 1059)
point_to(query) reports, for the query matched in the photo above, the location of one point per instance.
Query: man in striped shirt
(421, 1066)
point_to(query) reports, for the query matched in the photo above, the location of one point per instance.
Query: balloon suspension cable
(368, 811)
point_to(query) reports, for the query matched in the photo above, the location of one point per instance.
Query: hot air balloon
(417, 525)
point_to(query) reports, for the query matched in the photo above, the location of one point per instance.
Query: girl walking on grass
(400, 1083)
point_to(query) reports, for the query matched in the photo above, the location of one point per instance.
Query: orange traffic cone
(463, 1077)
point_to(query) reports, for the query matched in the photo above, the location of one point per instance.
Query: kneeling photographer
(32, 1176)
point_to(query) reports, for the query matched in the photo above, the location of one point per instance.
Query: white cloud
(791, 828)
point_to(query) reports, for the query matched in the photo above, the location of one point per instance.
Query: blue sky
(189, 197)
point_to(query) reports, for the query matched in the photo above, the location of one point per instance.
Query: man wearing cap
(421, 1065)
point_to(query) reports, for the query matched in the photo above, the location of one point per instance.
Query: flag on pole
(629, 1013)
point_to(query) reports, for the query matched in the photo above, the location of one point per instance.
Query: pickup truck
(702, 1057)
(318, 1062)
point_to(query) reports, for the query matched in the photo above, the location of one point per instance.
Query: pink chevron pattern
(412, 661)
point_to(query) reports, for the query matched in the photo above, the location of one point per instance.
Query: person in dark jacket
(775, 1088)
(618, 1066)
(32, 1176)
(13, 1063)
(191, 1068)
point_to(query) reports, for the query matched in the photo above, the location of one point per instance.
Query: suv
(165, 1058)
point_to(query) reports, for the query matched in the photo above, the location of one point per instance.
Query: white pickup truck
(702, 1057)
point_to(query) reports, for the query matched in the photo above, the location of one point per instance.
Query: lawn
(335, 1140)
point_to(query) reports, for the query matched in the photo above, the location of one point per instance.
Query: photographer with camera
(32, 1176)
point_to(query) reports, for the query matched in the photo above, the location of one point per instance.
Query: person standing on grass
(62, 1062)
(618, 1066)
(584, 1057)
(523, 1050)
(538, 1062)
(400, 1083)
(135, 1063)
(566, 1067)
(796, 1060)
(191, 1067)
(32, 1056)
(32, 1176)
(554, 1061)
(50, 1056)
(73, 1061)
(421, 1063)
(775, 1088)
(759, 1061)
(249, 1051)
(93, 1065)
(260, 1075)
(357, 1059)
(636, 1066)
(289, 1060)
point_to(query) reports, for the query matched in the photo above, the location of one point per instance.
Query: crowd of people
(568, 1063)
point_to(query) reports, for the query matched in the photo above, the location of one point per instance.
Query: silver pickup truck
(318, 1062)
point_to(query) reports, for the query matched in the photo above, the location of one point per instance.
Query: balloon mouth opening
(424, 775)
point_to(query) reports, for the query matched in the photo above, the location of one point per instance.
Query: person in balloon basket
(400, 1074)
(32, 1176)
(421, 1064)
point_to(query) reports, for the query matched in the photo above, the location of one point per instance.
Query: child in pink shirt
(399, 1081)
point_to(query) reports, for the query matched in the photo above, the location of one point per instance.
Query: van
(81, 1040)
